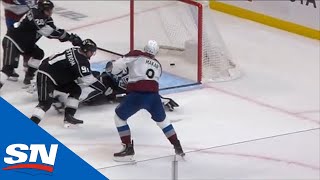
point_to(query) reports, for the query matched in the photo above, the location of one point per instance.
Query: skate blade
(124, 159)
(26, 86)
(14, 79)
(182, 155)
(180, 158)
(71, 126)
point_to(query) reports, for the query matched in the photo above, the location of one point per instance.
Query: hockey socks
(123, 130)
(38, 115)
(170, 133)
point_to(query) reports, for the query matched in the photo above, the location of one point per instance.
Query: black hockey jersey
(68, 66)
(31, 28)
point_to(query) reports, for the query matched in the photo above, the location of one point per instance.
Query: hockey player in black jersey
(59, 72)
(114, 77)
(22, 39)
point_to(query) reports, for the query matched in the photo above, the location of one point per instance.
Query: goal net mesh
(175, 26)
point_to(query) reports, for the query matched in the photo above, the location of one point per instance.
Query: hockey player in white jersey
(142, 93)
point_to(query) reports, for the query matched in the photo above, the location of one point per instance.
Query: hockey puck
(172, 64)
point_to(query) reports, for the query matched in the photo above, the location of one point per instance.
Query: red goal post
(200, 10)
(212, 59)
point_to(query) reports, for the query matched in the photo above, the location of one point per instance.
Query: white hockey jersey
(144, 71)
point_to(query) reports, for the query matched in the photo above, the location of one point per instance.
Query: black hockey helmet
(88, 45)
(44, 5)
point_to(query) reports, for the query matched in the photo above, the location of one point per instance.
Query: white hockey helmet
(152, 47)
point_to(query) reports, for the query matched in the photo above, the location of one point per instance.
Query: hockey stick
(111, 52)
(161, 47)
(175, 120)
(161, 89)
(172, 48)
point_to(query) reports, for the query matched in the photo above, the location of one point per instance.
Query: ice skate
(70, 121)
(11, 75)
(178, 149)
(126, 154)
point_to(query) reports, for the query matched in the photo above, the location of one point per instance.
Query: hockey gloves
(109, 66)
(75, 39)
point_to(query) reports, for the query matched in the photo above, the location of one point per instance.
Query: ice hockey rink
(263, 125)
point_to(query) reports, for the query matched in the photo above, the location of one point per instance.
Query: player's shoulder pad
(50, 20)
(134, 53)
(75, 49)
(37, 14)
(82, 60)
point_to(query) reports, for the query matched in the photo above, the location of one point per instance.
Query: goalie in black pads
(23, 37)
(117, 78)
(59, 72)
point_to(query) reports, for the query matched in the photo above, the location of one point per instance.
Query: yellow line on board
(265, 19)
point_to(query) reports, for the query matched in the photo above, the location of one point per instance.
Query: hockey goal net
(190, 44)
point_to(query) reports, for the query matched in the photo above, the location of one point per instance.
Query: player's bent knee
(38, 53)
(119, 122)
(45, 105)
(34, 63)
(159, 117)
(164, 123)
(75, 92)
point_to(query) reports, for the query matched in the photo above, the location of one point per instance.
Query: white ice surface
(277, 94)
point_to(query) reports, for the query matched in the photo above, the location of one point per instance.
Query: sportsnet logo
(18, 157)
